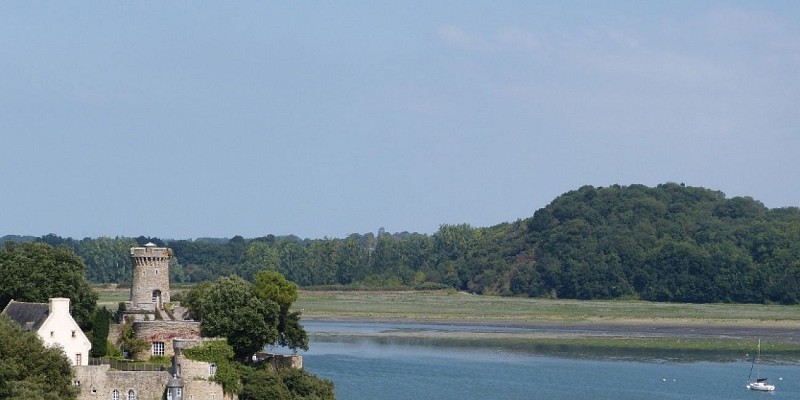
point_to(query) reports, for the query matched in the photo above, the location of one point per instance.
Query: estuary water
(368, 367)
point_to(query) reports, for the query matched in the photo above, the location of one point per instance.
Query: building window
(115, 395)
(158, 348)
(78, 359)
(212, 369)
(52, 333)
(131, 395)
(73, 333)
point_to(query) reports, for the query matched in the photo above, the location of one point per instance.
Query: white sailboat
(760, 383)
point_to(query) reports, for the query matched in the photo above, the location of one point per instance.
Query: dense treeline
(668, 243)
(671, 243)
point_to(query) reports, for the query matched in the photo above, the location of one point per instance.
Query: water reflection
(387, 335)
(365, 366)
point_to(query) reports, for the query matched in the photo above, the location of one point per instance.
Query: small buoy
(664, 380)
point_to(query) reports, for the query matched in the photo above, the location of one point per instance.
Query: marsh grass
(449, 306)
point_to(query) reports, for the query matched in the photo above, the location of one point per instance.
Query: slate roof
(30, 316)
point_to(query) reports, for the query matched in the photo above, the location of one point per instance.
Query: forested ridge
(666, 243)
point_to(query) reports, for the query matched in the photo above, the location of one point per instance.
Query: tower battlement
(151, 252)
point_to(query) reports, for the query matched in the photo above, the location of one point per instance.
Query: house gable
(54, 325)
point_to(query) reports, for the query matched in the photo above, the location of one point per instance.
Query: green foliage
(163, 360)
(128, 341)
(29, 370)
(230, 308)
(263, 384)
(112, 351)
(271, 286)
(670, 243)
(102, 320)
(306, 386)
(36, 272)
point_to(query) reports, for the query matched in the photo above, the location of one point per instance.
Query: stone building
(158, 321)
(163, 324)
(155, 318)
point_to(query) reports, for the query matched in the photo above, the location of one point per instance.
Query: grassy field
(451, 306)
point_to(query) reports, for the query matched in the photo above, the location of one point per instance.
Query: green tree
(29, 370)
(303, 385)
(271, 286)
(106, 259)
(230, 308)
(263, 384)
(35, 272)
(102, 319)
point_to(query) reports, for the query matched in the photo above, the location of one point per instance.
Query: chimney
(59, 305)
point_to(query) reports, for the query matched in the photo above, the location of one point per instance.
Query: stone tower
(150, 283)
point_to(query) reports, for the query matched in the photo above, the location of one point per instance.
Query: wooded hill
(668, 243)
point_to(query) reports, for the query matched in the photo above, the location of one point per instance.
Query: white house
(54, 324)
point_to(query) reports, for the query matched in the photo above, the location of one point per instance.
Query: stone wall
(165, 332)
(98, 381)
(280, 361)
(196, 375)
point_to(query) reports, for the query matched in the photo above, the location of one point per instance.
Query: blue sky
(321, 119)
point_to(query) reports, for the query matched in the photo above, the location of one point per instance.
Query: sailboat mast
(758, 358)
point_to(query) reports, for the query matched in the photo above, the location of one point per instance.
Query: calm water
(370, 368)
